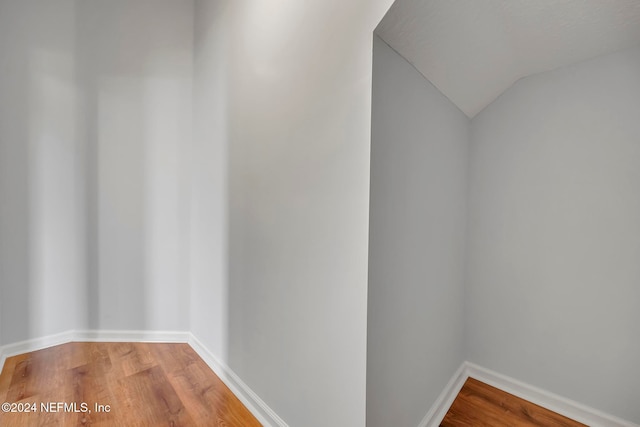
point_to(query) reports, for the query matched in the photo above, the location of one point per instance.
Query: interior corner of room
(344, 218)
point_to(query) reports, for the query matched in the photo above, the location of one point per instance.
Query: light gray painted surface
(40, 245)
(208, 175)
(299, 118)
(94, 112)
(137, 69)
(419, 150)
(553, 274)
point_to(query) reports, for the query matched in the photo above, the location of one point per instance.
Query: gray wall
(208, 179)
(419, 148)
(554, 236)
(40, 171)
(94, 112)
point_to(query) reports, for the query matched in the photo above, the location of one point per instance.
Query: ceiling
(473, 50)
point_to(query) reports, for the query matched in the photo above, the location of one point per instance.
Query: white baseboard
(446, 398)
(33, 344)
(269, 418)
(254, 404)
(561, 405)
(251, 400)
(131, 336)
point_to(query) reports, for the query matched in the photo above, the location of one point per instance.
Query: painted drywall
(299, 103)
(94, 113)
(419, 147)
(136, 74)
(288, 97)
(41, 260)
(208, 179)
(554, 235)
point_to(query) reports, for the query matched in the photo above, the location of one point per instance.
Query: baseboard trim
(446, 398)
(248, 397)
(34, 344)
(269, 418)
(561, 405)
(131, 336)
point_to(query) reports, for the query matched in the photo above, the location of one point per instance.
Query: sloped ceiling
(473, 50)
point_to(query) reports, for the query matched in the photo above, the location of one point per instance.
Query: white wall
(419, 147)
(552, 296)
(296, 117)
(40, 168)
(94, 113)
(136, 74)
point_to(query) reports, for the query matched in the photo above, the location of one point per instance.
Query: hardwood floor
(143, 384)
(480, 405)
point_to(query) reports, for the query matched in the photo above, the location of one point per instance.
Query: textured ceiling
(473, 50)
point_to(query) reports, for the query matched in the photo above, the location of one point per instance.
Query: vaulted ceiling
(473, 50)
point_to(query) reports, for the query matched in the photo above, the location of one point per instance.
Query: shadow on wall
(208, 168)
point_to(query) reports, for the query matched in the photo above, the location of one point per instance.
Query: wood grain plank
(165, 408)
(479, 404)
(145, 384)
(209, 399)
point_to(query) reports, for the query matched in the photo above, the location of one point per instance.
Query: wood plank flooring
(143, 384)
(481, 405)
